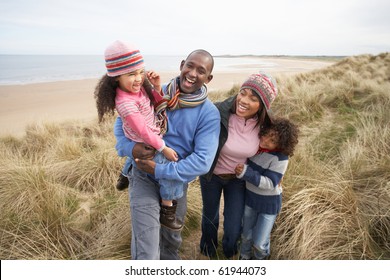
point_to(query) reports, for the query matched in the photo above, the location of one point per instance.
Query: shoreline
(73, 100)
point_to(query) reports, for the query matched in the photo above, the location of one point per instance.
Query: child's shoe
(122, 182)
(168, 217)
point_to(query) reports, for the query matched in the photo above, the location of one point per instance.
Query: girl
(126, 89)
(263, 175)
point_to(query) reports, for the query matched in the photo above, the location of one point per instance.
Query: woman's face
(247, 104)
(132, 82)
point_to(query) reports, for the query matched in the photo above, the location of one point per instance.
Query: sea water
(28, 69)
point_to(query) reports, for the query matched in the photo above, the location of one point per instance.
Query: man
(193, 131)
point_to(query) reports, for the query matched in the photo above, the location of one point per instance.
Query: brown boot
(122, 182)
(168, 217)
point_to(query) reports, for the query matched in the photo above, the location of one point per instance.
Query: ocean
(29, 69)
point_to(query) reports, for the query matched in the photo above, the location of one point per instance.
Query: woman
(242, 117)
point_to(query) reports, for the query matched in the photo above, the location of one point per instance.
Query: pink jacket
(137, 113)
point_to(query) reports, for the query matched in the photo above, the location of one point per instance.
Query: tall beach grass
(57, 183)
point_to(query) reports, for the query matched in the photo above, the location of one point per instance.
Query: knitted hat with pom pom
(264, 86)
(122, 58)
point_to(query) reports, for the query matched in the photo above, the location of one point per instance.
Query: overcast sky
(176, 27)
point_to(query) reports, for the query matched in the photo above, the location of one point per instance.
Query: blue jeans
(234, 195)
(149, 241)
(256, 234)
(126, 168)
(169, 189)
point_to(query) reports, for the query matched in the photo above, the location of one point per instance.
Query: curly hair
(287, 133)
(105, 92)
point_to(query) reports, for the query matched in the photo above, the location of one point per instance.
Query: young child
(263, 174)
(126, 89)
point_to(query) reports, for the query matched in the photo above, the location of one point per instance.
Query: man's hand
(143, 156)
(145, 165)
(142, 151)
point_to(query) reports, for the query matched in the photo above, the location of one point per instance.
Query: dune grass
(58, 199)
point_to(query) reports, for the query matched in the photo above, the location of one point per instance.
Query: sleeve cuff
(162, 147)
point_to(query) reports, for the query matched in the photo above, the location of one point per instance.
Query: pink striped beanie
(264, 86)
(122, 58)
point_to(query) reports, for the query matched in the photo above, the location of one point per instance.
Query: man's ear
(182, 64)
(209, 78)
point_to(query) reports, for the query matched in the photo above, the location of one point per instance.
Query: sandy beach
(73, 100)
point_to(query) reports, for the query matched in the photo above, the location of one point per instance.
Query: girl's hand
(170, 154)
(154, 79)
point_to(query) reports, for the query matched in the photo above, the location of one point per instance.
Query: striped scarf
(174, 99)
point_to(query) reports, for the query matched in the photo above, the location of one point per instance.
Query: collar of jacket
(224, 108)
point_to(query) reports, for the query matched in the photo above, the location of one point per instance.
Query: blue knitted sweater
(192, 132)
(263, 174)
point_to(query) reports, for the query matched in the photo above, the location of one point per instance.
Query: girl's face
(247, 104)
(269, 141)
(132, 82)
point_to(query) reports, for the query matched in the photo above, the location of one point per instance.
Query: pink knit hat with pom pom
(122, 58)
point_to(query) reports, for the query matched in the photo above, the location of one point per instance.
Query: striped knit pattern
(263, 175)
(162, 122)
(264, 86)
(127, 108)
(174, 99)
(122, 58)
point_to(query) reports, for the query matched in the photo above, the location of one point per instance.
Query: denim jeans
(127, 167)
(234, 195)
(169, 189)
(256, 234)
(149, 241)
